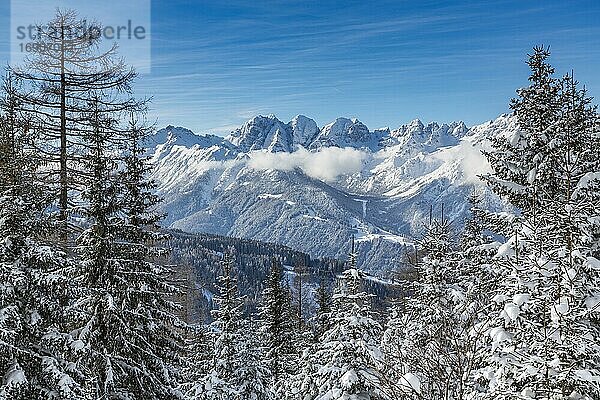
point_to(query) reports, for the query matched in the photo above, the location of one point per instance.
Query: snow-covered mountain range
(314, 188)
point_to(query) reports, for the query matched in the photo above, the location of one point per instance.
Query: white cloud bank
(470, 158)
(326, 164)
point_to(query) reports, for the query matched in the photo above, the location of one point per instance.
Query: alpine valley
(313, 189)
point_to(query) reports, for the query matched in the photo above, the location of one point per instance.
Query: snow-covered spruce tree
(236, 367)
(476, 244)
(211, 387)
(478, 279)
(302, 385)
(545, 336)
(149, 280)
(277, 326)
(127, 322)
(35, 350)
(324, 302)
(198, 361)
(347, 361)
(477, 249)
(429, 342)
(227, 332)
(252, 376)
(516, 160)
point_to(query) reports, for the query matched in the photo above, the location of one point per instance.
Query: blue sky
(216, 64)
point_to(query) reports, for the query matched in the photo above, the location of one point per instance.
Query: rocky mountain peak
(304, 130)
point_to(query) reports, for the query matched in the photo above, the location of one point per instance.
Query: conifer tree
(150, 291)
(431, 340)
(64, 72)
(276, 325)
(425, 329)
(322, 318)
(347, 362)
(478, 280)
(227, 323)
(198, 360)
(544, 340)
(253, 377)
(476, 244)
(516, 160)
(37, 355)
(127, 324)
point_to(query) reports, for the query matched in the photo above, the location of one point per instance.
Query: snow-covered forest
(94, 306)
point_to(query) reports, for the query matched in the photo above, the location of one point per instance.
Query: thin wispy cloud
(385, 61)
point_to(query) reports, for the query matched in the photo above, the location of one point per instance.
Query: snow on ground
(269, 196)
(364, 232)
(364, 206)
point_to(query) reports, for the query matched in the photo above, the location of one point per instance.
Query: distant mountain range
(314, 188)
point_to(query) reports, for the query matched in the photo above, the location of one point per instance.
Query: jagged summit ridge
(344, 132)
(262, 132)
(304, 130)
(271, 134)
(177, 135)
